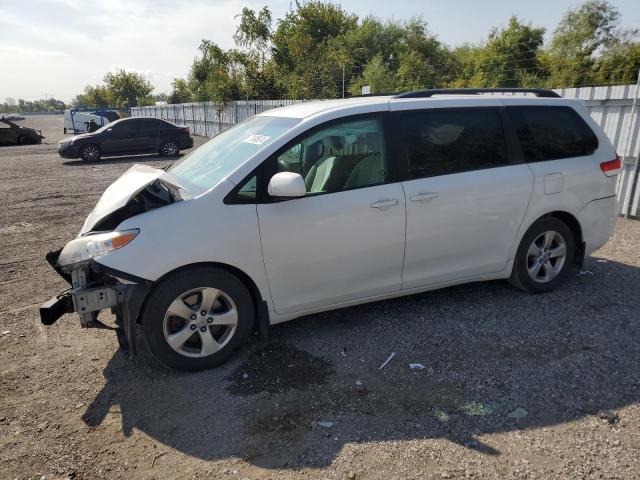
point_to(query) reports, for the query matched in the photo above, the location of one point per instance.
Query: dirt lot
(514, 385)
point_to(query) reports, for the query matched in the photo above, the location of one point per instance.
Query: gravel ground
(513, 385)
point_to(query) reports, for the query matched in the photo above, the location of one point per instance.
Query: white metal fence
(210, 118)
(610, 107)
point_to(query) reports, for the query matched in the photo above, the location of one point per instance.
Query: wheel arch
(95, 143)
(259, 303)
(572, 222)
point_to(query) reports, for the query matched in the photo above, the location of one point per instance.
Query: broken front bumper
(94, 288)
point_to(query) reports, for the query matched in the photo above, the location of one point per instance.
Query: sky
(56, 47)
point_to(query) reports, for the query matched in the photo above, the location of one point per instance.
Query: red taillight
(185, 130)
(611, 166)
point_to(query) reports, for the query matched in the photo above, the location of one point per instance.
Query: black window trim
(512, 147)
(268, 167)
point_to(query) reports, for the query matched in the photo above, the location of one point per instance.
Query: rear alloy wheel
(197, 318)
(90, 153)
(544, 256)
(170, 148)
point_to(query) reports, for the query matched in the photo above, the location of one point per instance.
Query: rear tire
(544, 256)
(90, 153)
(169, 148)
(196, 318)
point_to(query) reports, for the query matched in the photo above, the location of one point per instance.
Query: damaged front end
(95, 287)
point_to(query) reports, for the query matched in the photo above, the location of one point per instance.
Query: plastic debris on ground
(387, 361)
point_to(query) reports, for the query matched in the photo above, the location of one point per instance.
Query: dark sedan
(128, 136)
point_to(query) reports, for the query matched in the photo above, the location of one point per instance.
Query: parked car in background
(14, 116)
(323, 205)
(13, 134)
(80, 121)
(128, 136)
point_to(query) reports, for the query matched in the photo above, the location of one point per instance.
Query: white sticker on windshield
(256, 139)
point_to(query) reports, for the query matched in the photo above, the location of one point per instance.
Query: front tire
(90, 153)
(544, 256)
(196, 318)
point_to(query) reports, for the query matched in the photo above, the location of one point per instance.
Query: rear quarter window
(551, 133)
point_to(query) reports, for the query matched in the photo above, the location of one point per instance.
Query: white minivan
(322, 205)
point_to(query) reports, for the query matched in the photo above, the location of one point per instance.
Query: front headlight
(93, 246)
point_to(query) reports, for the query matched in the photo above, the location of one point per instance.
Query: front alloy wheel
(91, 153)
(200, 322)
(196, 318)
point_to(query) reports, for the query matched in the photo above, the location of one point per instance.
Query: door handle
(385, 204)
(424, 197)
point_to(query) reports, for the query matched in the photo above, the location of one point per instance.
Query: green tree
(121, 89)
(619, 63)
(216, 74)
(582, 33)
(98, 96)
(402, 56)
(180, 92)
(128, 89)
(307, 64)
(25, 106)
(254, 31)
(318, 47)
(509, 58)
(377, 75)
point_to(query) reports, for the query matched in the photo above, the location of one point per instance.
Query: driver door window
(338, 157)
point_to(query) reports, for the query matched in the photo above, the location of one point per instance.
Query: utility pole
(634, 174)
(343, 80)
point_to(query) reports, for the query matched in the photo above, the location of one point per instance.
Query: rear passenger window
(549, 133)
(441, 142)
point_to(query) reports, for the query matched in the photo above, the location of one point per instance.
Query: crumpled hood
(120, 192)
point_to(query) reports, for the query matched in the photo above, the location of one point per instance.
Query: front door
(345, 239)
(135, 135)
(117, 138)
(465, 200)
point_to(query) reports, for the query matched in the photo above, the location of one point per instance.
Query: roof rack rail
(381, 94)
(538, 92)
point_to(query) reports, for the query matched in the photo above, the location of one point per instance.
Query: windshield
(210, 163)
(104, 127)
